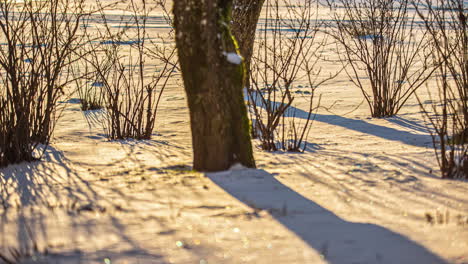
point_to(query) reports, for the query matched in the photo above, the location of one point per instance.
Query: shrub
(286, 48)
(446, 24)
(385, 53)
(118, 63)
(39, 39)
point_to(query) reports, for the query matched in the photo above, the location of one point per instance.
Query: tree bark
(245, 17)
(213, 79)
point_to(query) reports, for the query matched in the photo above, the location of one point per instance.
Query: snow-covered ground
(365, 191)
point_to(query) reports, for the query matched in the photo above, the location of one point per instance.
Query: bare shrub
(38, 42)
(446, 23)
(284, 66)
(385, 51)
(132, 90)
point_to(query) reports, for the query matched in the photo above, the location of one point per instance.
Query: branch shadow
(44, 183)
(340, 241)
(43, 197)
(352, 175)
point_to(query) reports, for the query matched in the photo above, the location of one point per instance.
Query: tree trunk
(245, 17)
(213, 76)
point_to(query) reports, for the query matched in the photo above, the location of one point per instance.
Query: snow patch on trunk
(233, 57)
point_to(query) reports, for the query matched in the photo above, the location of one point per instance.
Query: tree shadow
(406, 137)
(338, 240)
(410, 124)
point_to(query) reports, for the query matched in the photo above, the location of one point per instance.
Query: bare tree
(213, 73)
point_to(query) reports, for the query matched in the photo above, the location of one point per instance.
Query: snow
(359, 194)
(233, 58)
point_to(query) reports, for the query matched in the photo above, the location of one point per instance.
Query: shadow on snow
(340, 241)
